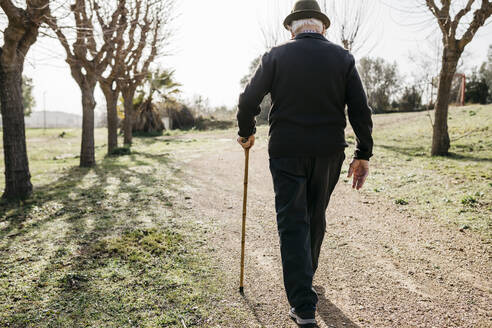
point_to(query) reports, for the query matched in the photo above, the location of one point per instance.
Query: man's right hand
(246, 143)
(359, 168)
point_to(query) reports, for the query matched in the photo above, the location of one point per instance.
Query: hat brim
(305, 14)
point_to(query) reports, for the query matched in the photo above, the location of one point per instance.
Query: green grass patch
(121, 151)
(106, 246)
(401, 202)
(454, 189)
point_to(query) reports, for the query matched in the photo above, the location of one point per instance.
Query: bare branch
(459, 16)
(479, 18)
(13, 13)
(442, 15)
(153, 17)
(52, 23)
(153, 52)
(354, 24)
(22, 29)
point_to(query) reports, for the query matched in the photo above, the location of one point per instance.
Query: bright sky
(216, 41)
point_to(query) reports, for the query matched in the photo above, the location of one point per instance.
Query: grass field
(103, 247)
(111, 246)
(455, 189)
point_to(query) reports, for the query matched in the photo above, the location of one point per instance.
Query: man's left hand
(360, 170)
(246, 143)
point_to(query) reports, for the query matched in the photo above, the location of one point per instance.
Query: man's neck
(309, 31)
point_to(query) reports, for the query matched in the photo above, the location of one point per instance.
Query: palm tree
(163, 83)
(148, 119)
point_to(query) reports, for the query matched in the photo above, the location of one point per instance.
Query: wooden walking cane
(243, 232)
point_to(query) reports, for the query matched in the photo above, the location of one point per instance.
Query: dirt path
(379, 266)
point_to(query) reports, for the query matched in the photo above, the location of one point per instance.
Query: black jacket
(310, 80)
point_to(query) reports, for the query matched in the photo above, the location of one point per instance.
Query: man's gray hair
(297, 25)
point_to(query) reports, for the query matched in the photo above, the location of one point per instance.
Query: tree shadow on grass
(330, 314)
(19, 213)
(462, 157)
(177, 139)
(419, 151)
(416, 151)
(89, 215)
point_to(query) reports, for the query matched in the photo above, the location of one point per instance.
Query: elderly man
(310, 80)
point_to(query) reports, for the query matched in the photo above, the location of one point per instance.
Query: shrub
(121, 151)
(469, 200)
(180, 115)
(203, 123)
(401, 201)
(411, 100)
(148, 121)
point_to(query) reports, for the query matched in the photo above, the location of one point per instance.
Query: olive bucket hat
(304, 9)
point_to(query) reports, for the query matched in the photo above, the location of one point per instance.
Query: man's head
(306, 15)
(312, 25)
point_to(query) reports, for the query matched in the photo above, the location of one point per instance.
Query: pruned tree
(27, 95)
(354, 22)
(88, 57)
(108, 80)
(453, 47)
(145, 39)
(111, 93)
(19, 35)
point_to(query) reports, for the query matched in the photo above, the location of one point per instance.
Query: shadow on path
(252, 306)
(330, 314)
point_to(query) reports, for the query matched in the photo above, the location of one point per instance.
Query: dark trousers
(303, 187)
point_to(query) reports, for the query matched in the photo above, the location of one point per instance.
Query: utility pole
(44, 105)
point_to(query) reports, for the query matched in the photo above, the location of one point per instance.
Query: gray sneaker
(306, 320)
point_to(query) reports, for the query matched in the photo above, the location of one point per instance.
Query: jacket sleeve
(359, 113)
(249, 101)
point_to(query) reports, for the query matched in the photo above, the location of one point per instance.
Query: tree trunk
(128, 96)
(17, 176)
(112, 115)
(440, 139)
(87, 156)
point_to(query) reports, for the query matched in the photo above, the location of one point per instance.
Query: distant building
(53, 120)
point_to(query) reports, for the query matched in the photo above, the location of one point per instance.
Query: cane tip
(241, 290)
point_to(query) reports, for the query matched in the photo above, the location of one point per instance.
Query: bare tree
(18, 37)
(453, 47)
(354, 22)
(111, 93)
(87, 60)
(108, 80)
(271, 26)
(145, 39)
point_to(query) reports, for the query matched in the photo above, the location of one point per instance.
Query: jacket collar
(310, 35)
